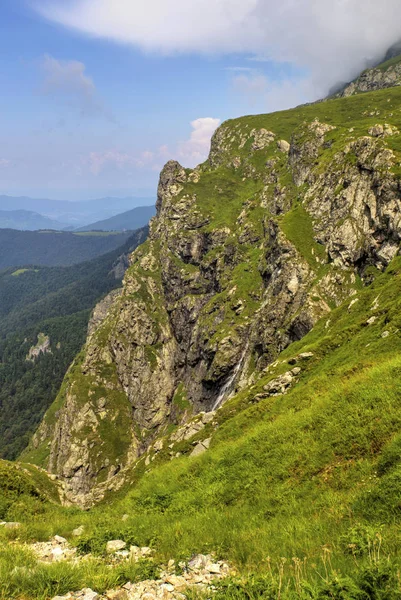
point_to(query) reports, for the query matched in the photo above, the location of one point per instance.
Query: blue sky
(96, 95)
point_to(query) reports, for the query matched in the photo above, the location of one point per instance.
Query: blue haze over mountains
(73, 214)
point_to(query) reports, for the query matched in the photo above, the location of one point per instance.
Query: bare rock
(115, 546)
(283, 146)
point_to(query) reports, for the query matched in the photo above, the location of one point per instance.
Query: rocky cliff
(385, 75)
(289, 216)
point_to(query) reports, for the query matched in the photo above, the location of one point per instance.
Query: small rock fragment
(283, 146)
(214, 568)
(115, 546)
(306, 355)
(59, 539)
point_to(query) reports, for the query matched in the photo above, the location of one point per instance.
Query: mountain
(44, 315)
(290, 216)
(235, 411)
(27, 220)
(130, 220)
(74, 214)
(51, 248)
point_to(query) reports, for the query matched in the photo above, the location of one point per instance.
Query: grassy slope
(312, 474)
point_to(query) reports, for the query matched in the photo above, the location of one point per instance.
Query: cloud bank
(331, 38)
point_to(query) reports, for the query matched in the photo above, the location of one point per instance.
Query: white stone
(88, 594)
(57, 553)
(306, 355)
(208, 417)
(115, 546)
(214, 568)
(283, 146)
(12, 525)
(59, 539)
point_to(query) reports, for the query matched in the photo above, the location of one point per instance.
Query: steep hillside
(44, 315)
(299, 489)
(292, 214)
(51, 248)
(26, 220)
(132, 219)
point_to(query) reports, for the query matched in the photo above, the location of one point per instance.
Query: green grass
(22, 576)
(315, 474)
(298, 228)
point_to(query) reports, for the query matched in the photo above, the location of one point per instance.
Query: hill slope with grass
(292, 214)
(54, 248)
(44, 313)
(299, 491)
(241, 396)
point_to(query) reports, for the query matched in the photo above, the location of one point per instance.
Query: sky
(96, 95)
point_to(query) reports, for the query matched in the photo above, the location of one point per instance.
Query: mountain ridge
(243, 259)
(74, 213)
(27, 220)
(129, 220)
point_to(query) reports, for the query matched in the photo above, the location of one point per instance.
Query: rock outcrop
(246, 253)
(371, 80)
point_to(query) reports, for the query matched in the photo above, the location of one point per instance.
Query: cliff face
(291, 214)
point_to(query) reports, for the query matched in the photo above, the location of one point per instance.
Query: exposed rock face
(374, 79)
(101, 310)
(42, 347)
(246, 253)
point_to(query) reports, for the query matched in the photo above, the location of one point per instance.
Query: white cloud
(4, 163)
(98, 161)
(251, 85)
(68, 79)
(196, 149)
(331, 38)
(190, 152)
(240, 69)
(272, 95)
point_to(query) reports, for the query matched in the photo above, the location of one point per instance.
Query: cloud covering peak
(332, 39)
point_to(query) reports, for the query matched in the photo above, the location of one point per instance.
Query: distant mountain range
(74, 214)
(130, 220)
(27, 220)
